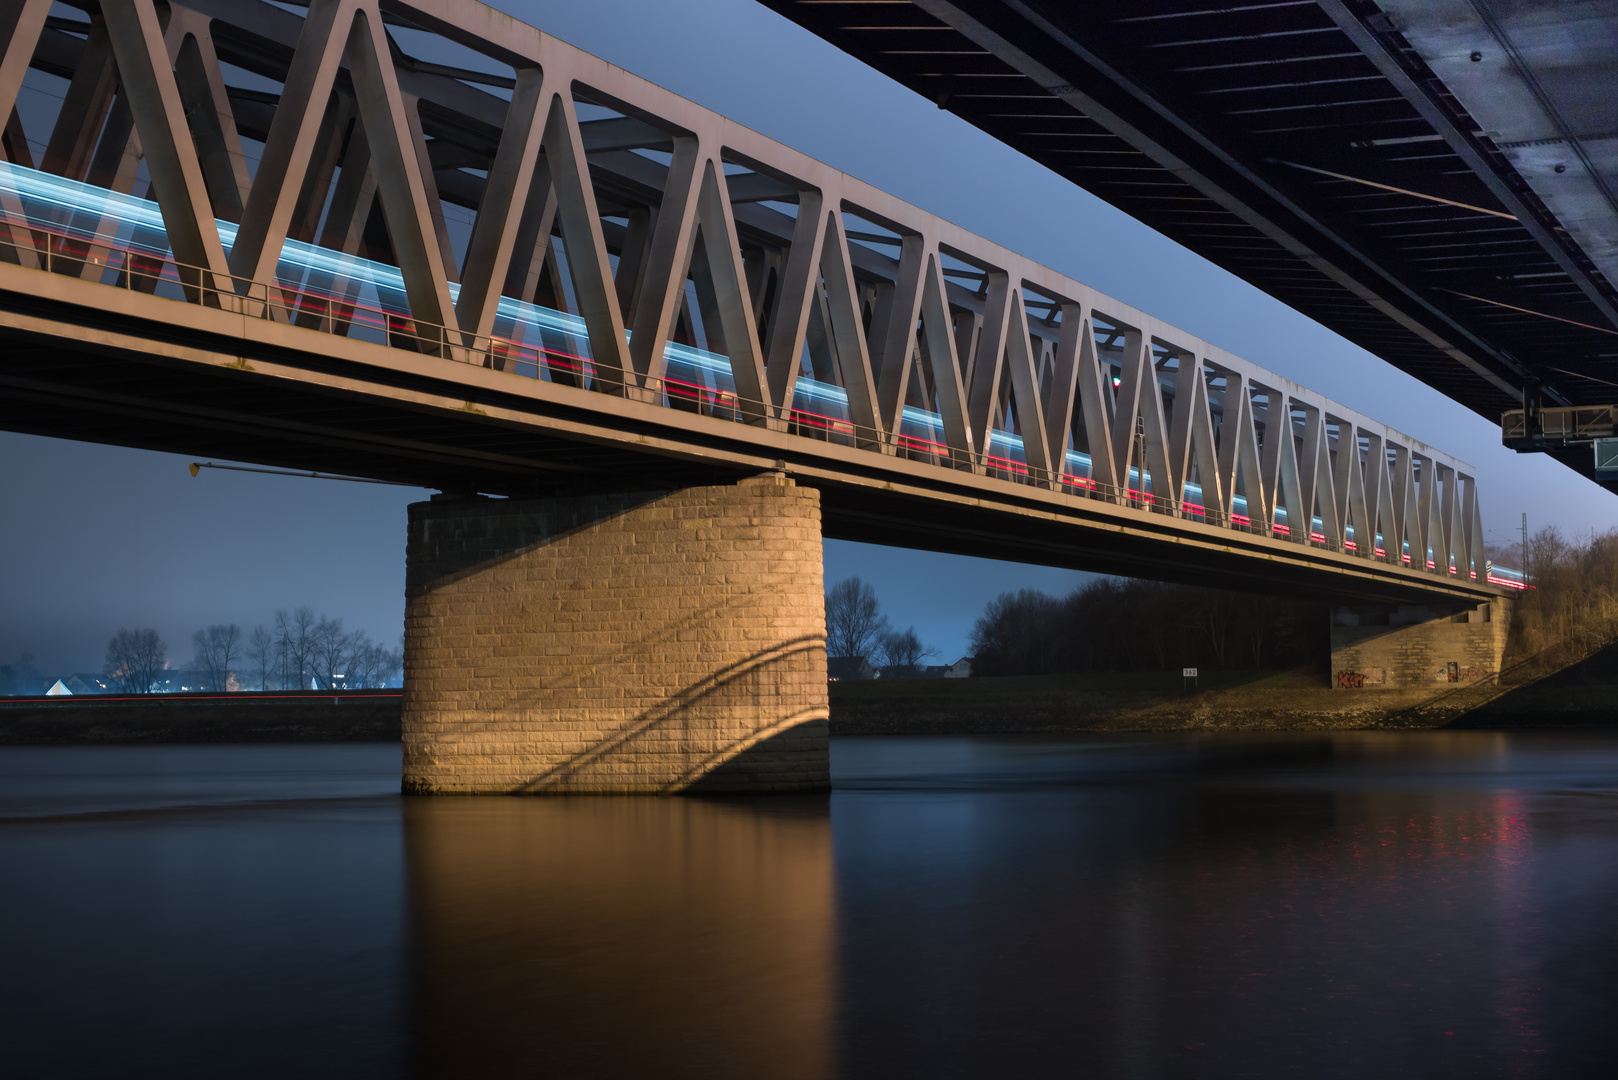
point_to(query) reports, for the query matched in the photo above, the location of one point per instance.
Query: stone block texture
(648, 642)
(1408, 646)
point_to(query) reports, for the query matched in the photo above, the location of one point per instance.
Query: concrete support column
(1412, 645)
(623, 642)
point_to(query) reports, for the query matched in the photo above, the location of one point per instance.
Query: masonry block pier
(649, 642)
(1415, 645)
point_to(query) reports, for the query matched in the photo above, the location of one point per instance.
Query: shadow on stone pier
(617, 643)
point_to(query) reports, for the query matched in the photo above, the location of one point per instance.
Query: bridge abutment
(646, 642)
(1414, 645)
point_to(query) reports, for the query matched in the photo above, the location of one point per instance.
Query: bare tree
(328, 653)
(1550, 550)
(261, 653)
(392, 666)
(903, 648)
(316, 653)
(22, 677)
(854, 622)
(294, 633)
(1262, 613)
(1215, 616)
(364, 657)
(1119, 624)
(135, 658)
(217, 647)
(369, 664)
(1015, 634)
(1572, 608)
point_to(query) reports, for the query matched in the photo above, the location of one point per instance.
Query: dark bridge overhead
(1433, 181)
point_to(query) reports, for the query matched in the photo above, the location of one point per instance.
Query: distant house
(849, 667)
(958, 670)
(88, 682)
(58, 690)
(856, 667)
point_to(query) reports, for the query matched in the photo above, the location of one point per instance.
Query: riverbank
(1582, 697)
(1227, 701)
(341, 716)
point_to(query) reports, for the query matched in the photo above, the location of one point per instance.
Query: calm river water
(1358, 905)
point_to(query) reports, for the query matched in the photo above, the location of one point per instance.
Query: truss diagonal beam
(505, 198)
(171, 156)
(291, 139)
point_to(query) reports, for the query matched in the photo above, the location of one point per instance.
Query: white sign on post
(1188, 673)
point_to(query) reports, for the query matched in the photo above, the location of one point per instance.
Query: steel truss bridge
(426, 242)
(1435, 180)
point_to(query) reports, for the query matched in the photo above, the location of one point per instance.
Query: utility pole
(1525, 549)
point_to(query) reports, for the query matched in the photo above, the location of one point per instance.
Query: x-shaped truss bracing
(520, 204)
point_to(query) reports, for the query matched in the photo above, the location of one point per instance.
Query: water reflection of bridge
(650, 304)
(937, 915)
(606, 938)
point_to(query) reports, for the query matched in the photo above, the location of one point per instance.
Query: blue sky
(99, 538)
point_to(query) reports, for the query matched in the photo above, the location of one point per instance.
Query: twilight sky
(97, 537)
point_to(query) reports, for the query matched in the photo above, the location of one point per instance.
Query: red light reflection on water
(1381, 901)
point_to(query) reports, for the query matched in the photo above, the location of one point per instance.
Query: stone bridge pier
(648, 642)
(1418, 646)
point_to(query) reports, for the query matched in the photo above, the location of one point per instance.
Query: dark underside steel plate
(1305, 146)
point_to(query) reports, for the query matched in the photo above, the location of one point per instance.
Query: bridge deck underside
(1312, 150)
